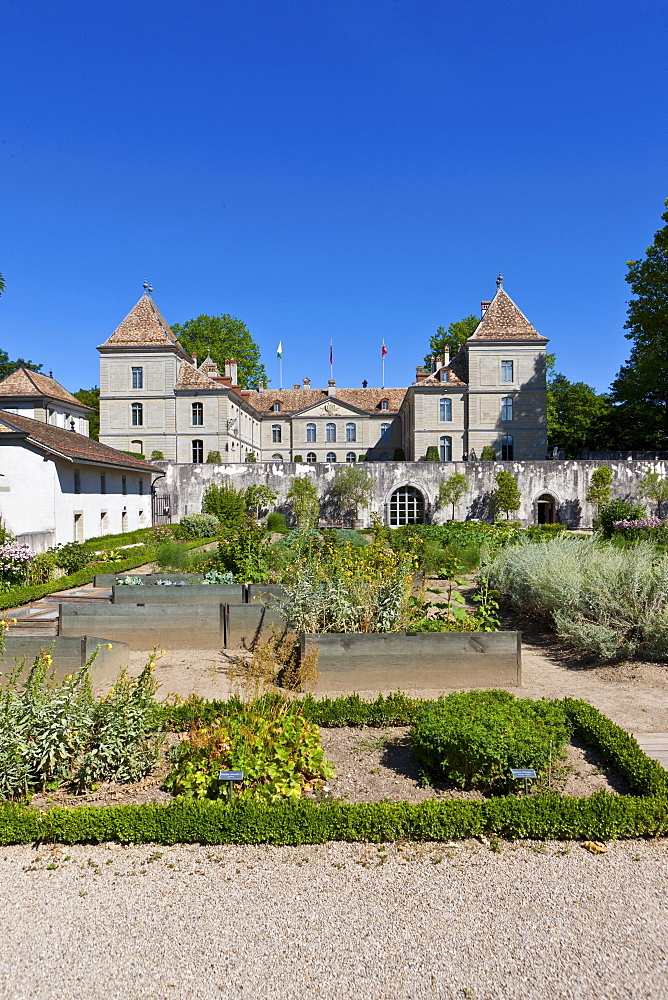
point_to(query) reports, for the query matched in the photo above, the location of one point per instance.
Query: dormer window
(276, 407)
(384, 404)
(445, 375)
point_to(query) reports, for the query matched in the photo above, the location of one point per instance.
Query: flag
(279, 350)
(383, 351)
(331, 353)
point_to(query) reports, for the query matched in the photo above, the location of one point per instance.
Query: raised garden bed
(197, 593)
(69, 654)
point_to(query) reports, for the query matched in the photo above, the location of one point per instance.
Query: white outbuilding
(59, 486)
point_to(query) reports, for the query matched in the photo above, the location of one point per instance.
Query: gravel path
(337, 921)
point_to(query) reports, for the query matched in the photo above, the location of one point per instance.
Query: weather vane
(148, 289)
(499, 281)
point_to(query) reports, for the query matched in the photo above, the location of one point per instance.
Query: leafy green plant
(172, 556)
(600, 489)
(353, 489)
(276, 523)
(302, 497)
(472, 739)
(618, 509)
(506, 498)
(276, 747)
(213, 458)
(452, 490)
(216, 576)
(157, 456)
(488, 454)
(72, 556)
(431, 454)
(225, 503)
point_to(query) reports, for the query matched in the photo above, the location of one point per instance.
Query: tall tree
(7, 366)
(640, 391)
(452, 338)
(91, 397)
(577, 416)
(223, 337)
(506, 497)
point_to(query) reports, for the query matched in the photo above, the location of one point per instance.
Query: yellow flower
(108, 645)
(162, 652)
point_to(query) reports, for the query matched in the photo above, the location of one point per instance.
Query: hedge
(25, 595)
(544, 817)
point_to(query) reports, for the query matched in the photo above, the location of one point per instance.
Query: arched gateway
(406, 506)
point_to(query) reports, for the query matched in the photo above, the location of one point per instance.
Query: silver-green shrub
(199, 525)
(602, 600)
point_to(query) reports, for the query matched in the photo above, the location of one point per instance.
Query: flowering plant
(14, 562)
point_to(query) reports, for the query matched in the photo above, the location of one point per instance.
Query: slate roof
(504, 321)
(144, 326)
(25, 383)
(69, 443)
(293, 400)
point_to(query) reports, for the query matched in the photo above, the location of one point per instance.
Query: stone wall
(566, 482)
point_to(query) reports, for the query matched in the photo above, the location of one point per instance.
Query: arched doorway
(406, 506)
(546, 509)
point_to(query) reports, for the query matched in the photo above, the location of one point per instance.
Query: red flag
(384, 350)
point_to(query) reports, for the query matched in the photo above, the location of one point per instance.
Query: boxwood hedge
(644, 813)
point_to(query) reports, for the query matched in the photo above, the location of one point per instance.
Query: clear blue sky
(328, 169)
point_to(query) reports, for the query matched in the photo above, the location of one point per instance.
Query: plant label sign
(522, 772)
(231, 776)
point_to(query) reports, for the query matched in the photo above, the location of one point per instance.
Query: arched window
(351, 458)
(384, 432)
(311, 457)
(351, 432)
(310, 433)
(445, 449)
(331, 457)
(507, 408)
(330, 432)
(445, 409)
(507, 448)
(137, 415)
(277, 458)
(276, 407)
(276, 433)
(406, 506)
(198, 451)
(198, 414)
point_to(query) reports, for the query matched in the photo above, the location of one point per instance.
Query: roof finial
(148, 289)
(499, 281)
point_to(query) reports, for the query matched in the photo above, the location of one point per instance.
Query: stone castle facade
(154, 397)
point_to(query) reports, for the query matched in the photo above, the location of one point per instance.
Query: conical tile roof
(24, 382)
(504, 321)
(143, 326)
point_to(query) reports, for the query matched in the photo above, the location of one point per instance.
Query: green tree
(653, 487)
(228, 504)
(452, 490)
(577, 416)
(640, 391)
(506, 497)
(223, 337)
(488, 454)
(452, 338)
(600, 489)
(303, 498)
(259, 498)
(431, 455)
(91, 397)
(7, 366)
(353, 488)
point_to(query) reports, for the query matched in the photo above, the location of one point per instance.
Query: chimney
(438, 362)
(260, 387)
(296, 385)
(421, 373)
(331, 387)
(446, 356)
(484, 306)
(231, 370)
(194, 359)
(307, 383)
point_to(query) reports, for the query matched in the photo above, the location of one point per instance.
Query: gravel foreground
(365, 921)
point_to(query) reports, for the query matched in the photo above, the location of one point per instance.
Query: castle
(155, 398)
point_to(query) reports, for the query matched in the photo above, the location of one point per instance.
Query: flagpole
(331, 361)
(280, 373)
(382, 361)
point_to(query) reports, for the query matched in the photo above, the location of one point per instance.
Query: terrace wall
(566, 481)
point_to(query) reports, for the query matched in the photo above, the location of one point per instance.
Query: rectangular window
(384, 432)
(507, 408)
(103, 483)
(141, 487)
(198, 451)
(78, 526)
(124, 485)
(198, 414)
(77, 481)
(137, 378)
(507, 371)
(276, 433)
(445, 410)
(104, 523)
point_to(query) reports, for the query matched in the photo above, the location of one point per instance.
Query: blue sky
(328, 169)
